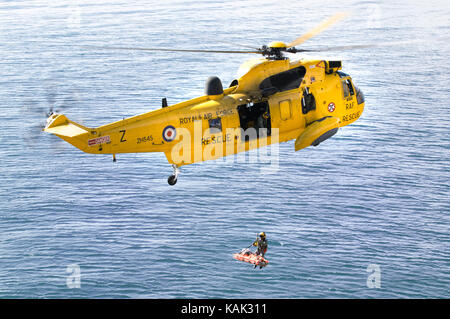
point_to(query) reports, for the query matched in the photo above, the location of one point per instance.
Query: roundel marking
(169, 133)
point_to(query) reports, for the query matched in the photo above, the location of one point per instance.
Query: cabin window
(285, 110)
(283, 81)
(216, 123)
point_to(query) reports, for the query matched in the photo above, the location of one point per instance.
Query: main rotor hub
(278, 45)
(274, 51)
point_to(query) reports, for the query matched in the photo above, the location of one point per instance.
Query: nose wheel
(172, 180)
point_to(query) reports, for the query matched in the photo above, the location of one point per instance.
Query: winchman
(261, 244)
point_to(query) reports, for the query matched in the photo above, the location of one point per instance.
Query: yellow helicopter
(274, 99)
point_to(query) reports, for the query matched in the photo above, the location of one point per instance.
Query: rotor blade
(168, 50)
(238, 44)
(359, 46)
(321, 27)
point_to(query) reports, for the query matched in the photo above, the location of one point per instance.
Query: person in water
(261, 244)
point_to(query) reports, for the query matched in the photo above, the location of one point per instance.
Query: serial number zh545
(144, 139)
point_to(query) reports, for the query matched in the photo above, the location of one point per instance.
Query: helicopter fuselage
(271, 101)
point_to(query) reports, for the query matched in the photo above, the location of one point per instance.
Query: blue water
(376, 193)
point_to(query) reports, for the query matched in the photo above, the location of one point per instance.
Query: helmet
(262, 235)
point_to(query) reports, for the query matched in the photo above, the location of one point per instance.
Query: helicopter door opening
(257, 116)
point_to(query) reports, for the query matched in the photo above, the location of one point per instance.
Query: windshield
(359, 95)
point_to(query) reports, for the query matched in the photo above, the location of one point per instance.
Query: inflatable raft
(250, 257)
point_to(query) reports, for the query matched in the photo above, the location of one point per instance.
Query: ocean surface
(371, 202)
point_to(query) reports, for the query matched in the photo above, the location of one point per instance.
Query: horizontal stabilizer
(71, 132)
(60, 125)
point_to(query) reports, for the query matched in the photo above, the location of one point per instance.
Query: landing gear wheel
(172, 180)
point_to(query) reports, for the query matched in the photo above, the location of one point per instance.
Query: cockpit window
(283, 81)
(342, 74)
(347, 88)
(359, 96)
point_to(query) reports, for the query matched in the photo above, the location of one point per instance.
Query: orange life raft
(249, 257)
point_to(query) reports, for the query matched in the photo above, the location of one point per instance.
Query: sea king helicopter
(274, 99)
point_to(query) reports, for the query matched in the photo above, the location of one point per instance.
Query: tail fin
(73, 133)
